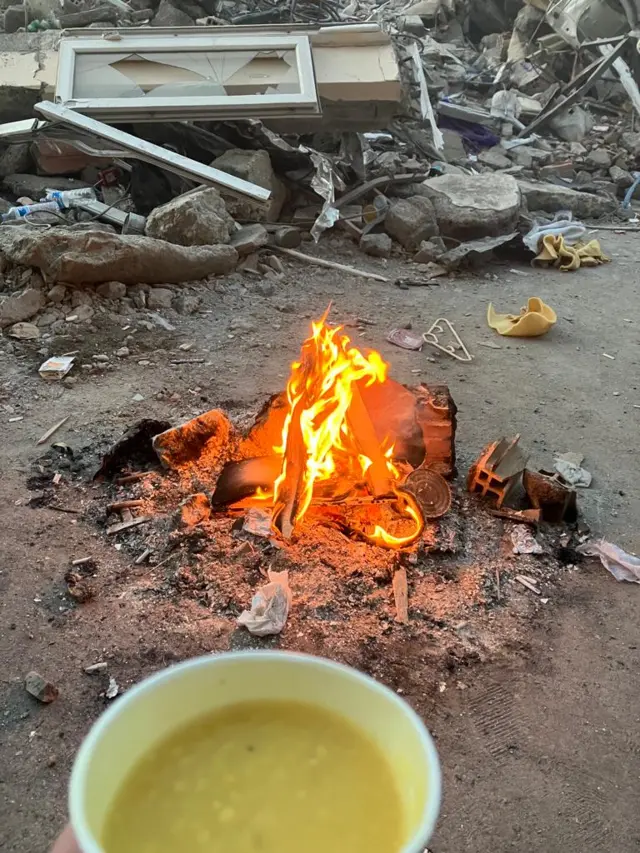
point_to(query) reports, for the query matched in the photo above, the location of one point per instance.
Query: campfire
(342, 436)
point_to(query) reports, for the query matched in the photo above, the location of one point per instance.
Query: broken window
(208, 77)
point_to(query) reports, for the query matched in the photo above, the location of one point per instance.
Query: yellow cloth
(555, 252)
(534, 320)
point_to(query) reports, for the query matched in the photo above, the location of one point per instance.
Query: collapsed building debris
(419, 134)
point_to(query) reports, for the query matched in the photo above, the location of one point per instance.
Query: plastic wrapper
(623, 566)
(269, 606)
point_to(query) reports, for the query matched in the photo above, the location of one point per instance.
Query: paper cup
(173, 697)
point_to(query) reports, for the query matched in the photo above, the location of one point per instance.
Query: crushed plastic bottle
(65, 198)
(26, 209)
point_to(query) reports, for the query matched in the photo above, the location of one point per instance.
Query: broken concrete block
(253, 166)
(159, 297)
(551, 199)
(469, 207)
(92, 257)
(193, 219)
(43, 690)
(249, 239)
(631, 141)
(15, 158)
(36, 186)
(620, 177)
(558, 170)
(573, 124)
(429, 251)
(410, 221)
(376, 245)
(186, 304)
(599, 158)
(14, 18)
(495, 158)
(109, 290)
(21, 306)
(168, 16)
(200, 440)
(522, 156)
(288, 237)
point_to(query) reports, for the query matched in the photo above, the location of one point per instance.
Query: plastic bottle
(65, 197)
(26, 209)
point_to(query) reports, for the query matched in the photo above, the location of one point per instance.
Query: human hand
(66, 843)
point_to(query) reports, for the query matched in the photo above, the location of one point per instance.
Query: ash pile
(150, 144)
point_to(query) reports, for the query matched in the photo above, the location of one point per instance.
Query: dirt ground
(539, 743)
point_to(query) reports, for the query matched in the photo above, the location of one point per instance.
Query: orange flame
(318, 437)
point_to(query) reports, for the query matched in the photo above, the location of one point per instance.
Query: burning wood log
(365, 437)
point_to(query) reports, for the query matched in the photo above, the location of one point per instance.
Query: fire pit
(342, 481)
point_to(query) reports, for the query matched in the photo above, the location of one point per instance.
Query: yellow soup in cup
(256, 752)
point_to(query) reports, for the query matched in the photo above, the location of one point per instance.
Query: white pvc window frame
(303, 102)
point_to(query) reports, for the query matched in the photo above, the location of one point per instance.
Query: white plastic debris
(568, 465)
(269, 606)
(524, 542)
(623, 566)
(113, 689)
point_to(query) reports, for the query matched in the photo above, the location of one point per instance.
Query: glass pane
(187, 74)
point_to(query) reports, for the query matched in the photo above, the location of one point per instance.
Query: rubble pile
(433, 132)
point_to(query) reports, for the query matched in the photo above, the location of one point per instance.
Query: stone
(36, 186)
(168, 16)
(194, 509)
(24, 331)
(48, 318)
(123, 352)
(429, 251)
(196, 219)
(186, 304)
(43, 690)
(254, 166)
(631, 141)
(20, 307)
(469, 207)
(551, 199)
(159, 297)
(411, 220)
(249, 238)
(288, 237)
(521, 156)
(112, 290)
(57, 294)
(80, 314)
(577, 149)
(412, 24)
(200, 440)
(14, 18)
(263, 287)
(598, 158)
(15, 158)
(92, 257)
(558, 170)
(620, 177)
(494, 157)
(573, 124)
(376, 245)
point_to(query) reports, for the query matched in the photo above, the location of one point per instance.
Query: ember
(330, 449)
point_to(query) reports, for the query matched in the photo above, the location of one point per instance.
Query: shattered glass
(186, 74)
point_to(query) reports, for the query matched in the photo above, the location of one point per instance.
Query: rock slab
(21, 307)
(93, 257)
(193, 219)
(469, 207)
(551, 199)
(411, 220)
